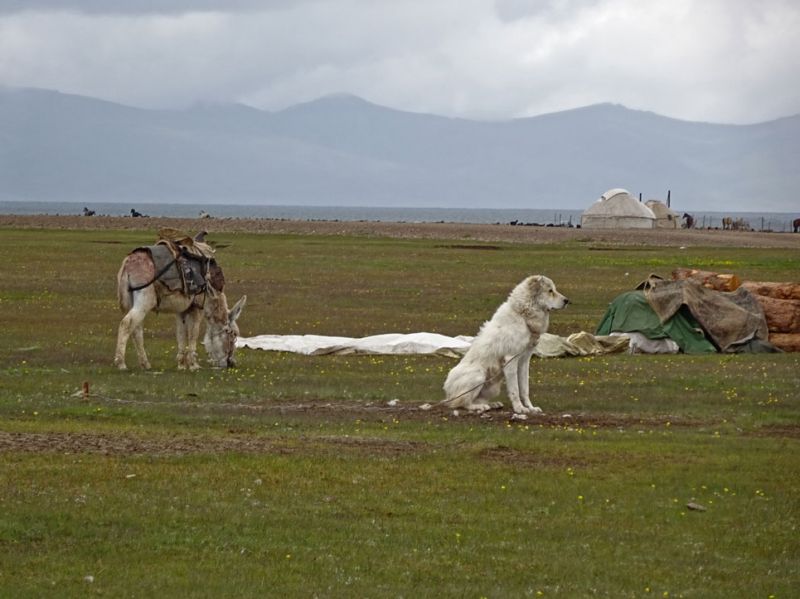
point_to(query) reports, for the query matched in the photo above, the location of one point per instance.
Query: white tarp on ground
(578, 344)
(389, 343)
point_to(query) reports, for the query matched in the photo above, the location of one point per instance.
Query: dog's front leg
(523, 377)
(510, 370)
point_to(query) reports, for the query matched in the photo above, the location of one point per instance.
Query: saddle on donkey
(184, 263)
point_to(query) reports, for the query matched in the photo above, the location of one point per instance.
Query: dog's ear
(535, 285)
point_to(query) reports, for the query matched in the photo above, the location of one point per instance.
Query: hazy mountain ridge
(346, 151)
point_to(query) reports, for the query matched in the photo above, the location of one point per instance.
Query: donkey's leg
(131, 324)
(192, 333)
(181, 331)
(123, 333)
(188, 329)
(138, 342)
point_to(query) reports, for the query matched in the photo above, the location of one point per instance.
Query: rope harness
(491, 378)
(194, 282)
(511, 359)
(157, 276)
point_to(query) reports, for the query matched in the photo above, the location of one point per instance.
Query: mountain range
(343, 150)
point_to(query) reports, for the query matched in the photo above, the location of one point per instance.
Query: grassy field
(292, 477)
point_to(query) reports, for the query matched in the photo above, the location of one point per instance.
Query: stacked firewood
(780, 301)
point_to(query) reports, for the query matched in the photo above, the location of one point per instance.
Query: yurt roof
(613, 192)
(619, 202)
(660, 209)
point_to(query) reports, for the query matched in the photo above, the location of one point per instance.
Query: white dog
(505, 345)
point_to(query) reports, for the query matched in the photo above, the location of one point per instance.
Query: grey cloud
(513, 10)
(131, 7)
(717, 60)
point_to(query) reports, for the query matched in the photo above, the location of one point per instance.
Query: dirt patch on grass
(242, 441)
(789, 431)
(468, 246)
(120, 444)
(317, 410)
(123, 444)
(461, 231)
(508, 455)
(380, 412)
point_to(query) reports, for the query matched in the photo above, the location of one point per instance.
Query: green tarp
(631, 312)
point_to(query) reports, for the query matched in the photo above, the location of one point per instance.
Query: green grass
(290, 476)
(581, 516)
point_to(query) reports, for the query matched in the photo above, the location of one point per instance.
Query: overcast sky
(733, 61)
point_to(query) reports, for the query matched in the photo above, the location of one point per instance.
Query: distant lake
(774, 221)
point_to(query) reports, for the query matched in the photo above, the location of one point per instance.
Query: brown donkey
(143, 287)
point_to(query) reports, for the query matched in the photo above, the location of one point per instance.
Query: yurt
(618, 209)
(665, 217)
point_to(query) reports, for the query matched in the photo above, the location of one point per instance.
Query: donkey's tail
(124, 293)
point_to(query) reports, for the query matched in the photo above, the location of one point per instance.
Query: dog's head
(543, 294)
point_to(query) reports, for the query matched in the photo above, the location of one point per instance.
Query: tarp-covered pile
(779, 301)
(696, 318)
(630, 313)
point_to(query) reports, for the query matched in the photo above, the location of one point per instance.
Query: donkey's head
(221, 328)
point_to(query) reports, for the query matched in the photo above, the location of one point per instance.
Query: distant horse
(796, 225)
(727, 224)
(87, 212)
(689, 221)
(741, 225)
(136, 214)
(140, 290)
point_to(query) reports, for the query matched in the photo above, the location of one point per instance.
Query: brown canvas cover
(728, 318)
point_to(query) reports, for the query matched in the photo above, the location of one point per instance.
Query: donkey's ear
(236, 311)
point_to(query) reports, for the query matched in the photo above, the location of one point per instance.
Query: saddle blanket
(181, 274)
